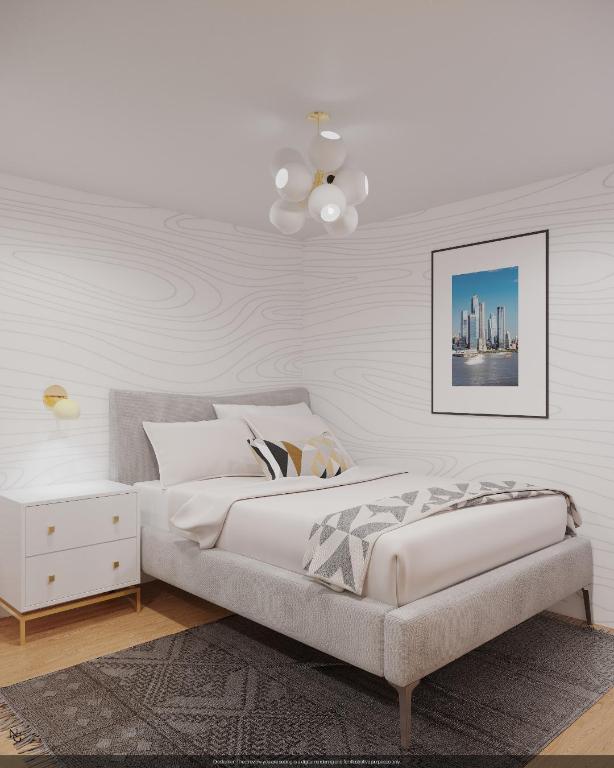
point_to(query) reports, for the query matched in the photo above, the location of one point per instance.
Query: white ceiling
(181, 103)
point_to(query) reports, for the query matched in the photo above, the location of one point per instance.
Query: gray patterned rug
(234, 688)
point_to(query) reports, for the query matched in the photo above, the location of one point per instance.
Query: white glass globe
(330, 212)
(281, 178)
(345, 224)
(327, 151)
(354, 184)
(283, 156)
(67, 409)
(293, 182)
(330, 135)
(287, 217)
(326, 203)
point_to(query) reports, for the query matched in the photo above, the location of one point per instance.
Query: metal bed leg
(587, 605)
(405, 692)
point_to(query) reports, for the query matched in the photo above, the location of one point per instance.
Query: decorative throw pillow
(321, 456)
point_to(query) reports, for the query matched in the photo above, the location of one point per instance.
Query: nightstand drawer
(62, 576)
(81, 522)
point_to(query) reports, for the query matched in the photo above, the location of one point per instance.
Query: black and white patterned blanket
(340, 546)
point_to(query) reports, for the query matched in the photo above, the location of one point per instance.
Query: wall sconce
(56, 399)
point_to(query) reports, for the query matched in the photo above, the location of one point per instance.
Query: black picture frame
(545, 232)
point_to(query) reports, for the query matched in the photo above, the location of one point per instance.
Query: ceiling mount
(318, 117)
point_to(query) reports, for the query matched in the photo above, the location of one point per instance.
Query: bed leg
(587, 606)
(405, 692)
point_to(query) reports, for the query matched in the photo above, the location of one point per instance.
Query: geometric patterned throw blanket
(340, 546)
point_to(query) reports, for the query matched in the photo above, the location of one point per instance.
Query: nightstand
(66, 546)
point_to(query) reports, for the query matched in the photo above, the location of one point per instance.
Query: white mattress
(407, 563)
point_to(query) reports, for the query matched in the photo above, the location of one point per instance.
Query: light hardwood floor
(66, 639)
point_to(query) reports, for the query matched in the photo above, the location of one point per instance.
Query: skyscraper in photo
(501, 327)
(472, 341)
(492, 330)
(482, 322)
(464, 330)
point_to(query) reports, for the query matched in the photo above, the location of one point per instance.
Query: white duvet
(271, 522)
(203, 516)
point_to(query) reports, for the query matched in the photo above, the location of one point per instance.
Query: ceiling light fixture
(329, 190)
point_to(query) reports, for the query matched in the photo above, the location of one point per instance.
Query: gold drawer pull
(115, 563)
(116, 518)
(50, 529)
(51, 578)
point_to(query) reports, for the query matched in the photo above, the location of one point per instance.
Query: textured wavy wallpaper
(366, 349)
(96, 293)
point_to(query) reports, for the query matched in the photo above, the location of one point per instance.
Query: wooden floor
(66, 639)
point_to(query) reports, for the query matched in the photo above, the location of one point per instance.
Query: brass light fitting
(56, 399)
(54, 393)
(318, 117)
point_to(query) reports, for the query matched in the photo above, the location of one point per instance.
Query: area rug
(234, 688)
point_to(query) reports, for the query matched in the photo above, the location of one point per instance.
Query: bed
(439, 588)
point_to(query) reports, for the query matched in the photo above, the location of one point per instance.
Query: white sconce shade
(288, 217)
(67, 409)
(344, 225)
(284, 156)
(326, 203)
(327, 152)
(293, 182)
(354, 184)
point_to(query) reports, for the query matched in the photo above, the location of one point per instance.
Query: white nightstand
(65, 546)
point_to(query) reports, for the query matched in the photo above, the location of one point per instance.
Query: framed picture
(489, 327)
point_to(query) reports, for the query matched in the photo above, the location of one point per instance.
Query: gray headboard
(131, 456)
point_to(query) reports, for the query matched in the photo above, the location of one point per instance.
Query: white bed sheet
(408, 563)
(155, 501)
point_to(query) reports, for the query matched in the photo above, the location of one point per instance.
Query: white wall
(96, 293)
(366, 355)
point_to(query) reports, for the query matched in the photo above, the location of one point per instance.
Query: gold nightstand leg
(21, 619)
(135, 599)
(132, 593)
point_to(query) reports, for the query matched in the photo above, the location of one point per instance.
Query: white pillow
(197, 450)
(294, 423)
(241, 411)
(294, 430)
(275, 422)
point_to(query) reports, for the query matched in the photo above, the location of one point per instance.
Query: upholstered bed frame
(400, 644)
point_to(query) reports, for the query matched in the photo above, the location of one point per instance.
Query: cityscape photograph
(485, 328)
